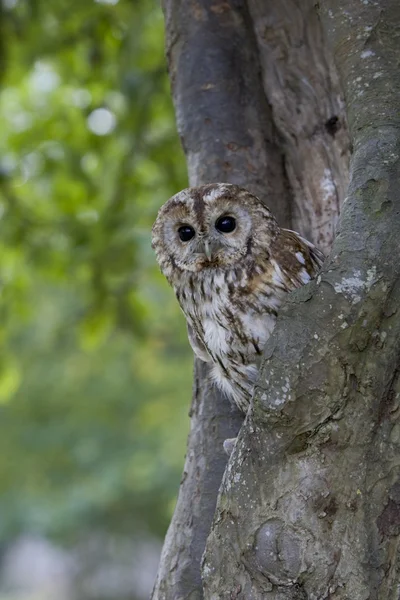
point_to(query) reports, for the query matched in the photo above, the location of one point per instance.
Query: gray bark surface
(303, 90)
(309, 507)
(213, 419)
(237, 105)
(223, 117)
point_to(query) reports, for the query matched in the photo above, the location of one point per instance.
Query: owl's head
(212, 226)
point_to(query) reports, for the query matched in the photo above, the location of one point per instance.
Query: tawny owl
(231, 266)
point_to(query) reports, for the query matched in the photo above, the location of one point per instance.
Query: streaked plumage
(230, 285)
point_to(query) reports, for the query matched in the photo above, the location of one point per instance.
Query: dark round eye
(186, 233)
(225, 224)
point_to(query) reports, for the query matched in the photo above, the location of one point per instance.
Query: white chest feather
(216, 337)
(230, 324)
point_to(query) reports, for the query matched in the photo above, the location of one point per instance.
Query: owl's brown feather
(230, 298)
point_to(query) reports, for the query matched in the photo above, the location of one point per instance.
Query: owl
(231, 267)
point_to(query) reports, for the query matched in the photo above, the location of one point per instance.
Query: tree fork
(234, 128)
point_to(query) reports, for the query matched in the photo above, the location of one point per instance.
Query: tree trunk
(212, 421)
(310, 502)
(258, 103)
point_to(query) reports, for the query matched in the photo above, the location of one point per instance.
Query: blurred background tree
(95, 369)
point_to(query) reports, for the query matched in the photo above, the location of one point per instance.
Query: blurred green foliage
(95, 369)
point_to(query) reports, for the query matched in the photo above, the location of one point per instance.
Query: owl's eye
(186, 233)
(225, 224)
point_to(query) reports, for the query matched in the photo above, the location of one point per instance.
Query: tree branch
(302, 87)
(223, 117)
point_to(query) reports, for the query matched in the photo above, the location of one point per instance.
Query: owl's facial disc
(216, 226)
(220, 241)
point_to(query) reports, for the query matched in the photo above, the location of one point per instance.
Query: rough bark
(212, 418)
(227, 132)
(234, 129)
(223, 116)
(302, 87)
(310, 503)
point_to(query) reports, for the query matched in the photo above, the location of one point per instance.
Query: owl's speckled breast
(232, 316)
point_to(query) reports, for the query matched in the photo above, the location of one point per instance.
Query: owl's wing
(296, 260)
(198, 347)
(316, 256)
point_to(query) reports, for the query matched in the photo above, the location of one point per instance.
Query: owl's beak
(207, 249)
